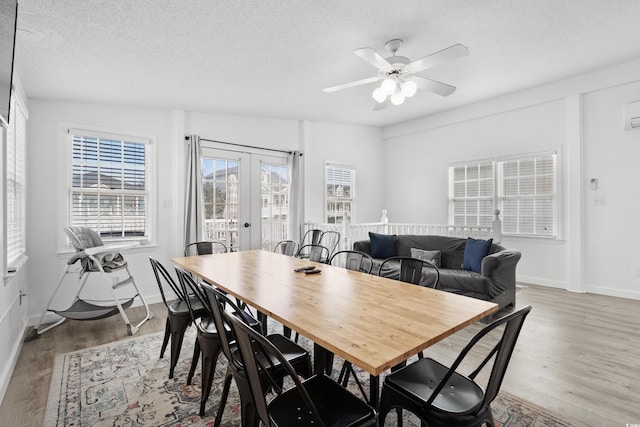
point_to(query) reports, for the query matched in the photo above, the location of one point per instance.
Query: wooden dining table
(373, 322)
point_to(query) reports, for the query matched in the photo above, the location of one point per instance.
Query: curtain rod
(244, 146)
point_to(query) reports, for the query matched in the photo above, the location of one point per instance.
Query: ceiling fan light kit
(397, 73)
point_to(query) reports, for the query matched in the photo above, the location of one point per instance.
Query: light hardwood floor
(578, 355)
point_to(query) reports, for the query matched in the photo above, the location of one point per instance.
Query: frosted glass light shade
(388, 86)
(409, 88)
(397, 98)
(379, 95)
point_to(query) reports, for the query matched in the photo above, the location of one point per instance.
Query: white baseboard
(12, 360)
(541, 282)
(613, 292)
(592, 289)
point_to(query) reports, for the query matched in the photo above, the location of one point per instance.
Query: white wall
(47, 175)
(417, 169)
(357, 146)
(611, 155)
(582, 118)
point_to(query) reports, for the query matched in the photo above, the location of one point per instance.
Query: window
(528, 195)
(471, 193)
(15, 182)
(110, 184)
(339, 193)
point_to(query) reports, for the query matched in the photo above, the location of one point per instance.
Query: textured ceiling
(272, 58)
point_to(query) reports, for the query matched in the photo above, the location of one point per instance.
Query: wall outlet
(599, 201)
(637, 271)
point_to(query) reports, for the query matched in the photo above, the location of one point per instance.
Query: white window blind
(339, 193)
(528, 198)
(16, 182)
(471, 193)
(109, 184)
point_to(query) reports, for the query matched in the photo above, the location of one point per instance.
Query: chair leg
(178, 327)
(165, 340)
(194, 361)
(210, 352)
(223, 398)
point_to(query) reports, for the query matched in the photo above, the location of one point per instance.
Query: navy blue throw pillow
(474, 251)
(382, 245)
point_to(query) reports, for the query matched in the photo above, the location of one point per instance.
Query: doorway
(246, 198)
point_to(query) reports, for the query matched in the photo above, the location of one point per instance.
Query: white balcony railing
(353, 232)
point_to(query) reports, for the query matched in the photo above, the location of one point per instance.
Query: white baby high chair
(95, 257)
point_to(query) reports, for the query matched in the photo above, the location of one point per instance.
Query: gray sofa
(496, 281)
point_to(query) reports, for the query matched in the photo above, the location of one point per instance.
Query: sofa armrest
(362, 246)
(500, 268)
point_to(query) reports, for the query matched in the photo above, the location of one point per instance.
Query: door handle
(247, 225)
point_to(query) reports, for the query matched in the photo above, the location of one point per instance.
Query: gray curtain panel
(194, 203)
(296, 196)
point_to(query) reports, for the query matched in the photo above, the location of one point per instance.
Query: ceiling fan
(398, 73)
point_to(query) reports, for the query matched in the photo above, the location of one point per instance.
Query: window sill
(15, 266)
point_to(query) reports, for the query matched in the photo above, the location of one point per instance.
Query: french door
(246, 198)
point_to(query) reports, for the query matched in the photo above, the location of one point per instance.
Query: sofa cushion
(382, 245)
(451, 248)
(431, 256)
(474, 251)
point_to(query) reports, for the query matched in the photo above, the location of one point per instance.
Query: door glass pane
(221, 187)
(274, 195)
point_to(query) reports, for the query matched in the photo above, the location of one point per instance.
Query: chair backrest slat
(205, 248)
(411, 270)
(162, 274)
(248, 340)
(352, 260)
(504, 348)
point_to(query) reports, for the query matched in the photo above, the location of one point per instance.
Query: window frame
(498, 192)
(15, 207)
(327, 199)
(466, 198)
(149, 193)
(552, 155)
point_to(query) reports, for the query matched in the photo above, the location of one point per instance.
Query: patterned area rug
(126, 384)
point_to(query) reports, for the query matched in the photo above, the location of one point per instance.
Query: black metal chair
(410, 270)
(205, 248)
(178, 315)
(352, 260)
(294, 355)
(315, 253)
(208, 340)
(315, 401)
(286, 247)
(311, 237)
(441, 396)
(330, 239)
(357, 261)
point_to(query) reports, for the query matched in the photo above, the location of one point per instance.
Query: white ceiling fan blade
(449, 54)
(434, 86)
(381, 105)
(373, 58)
(350, 84)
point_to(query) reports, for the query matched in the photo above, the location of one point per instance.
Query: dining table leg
(374, 391)
(322, 360)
